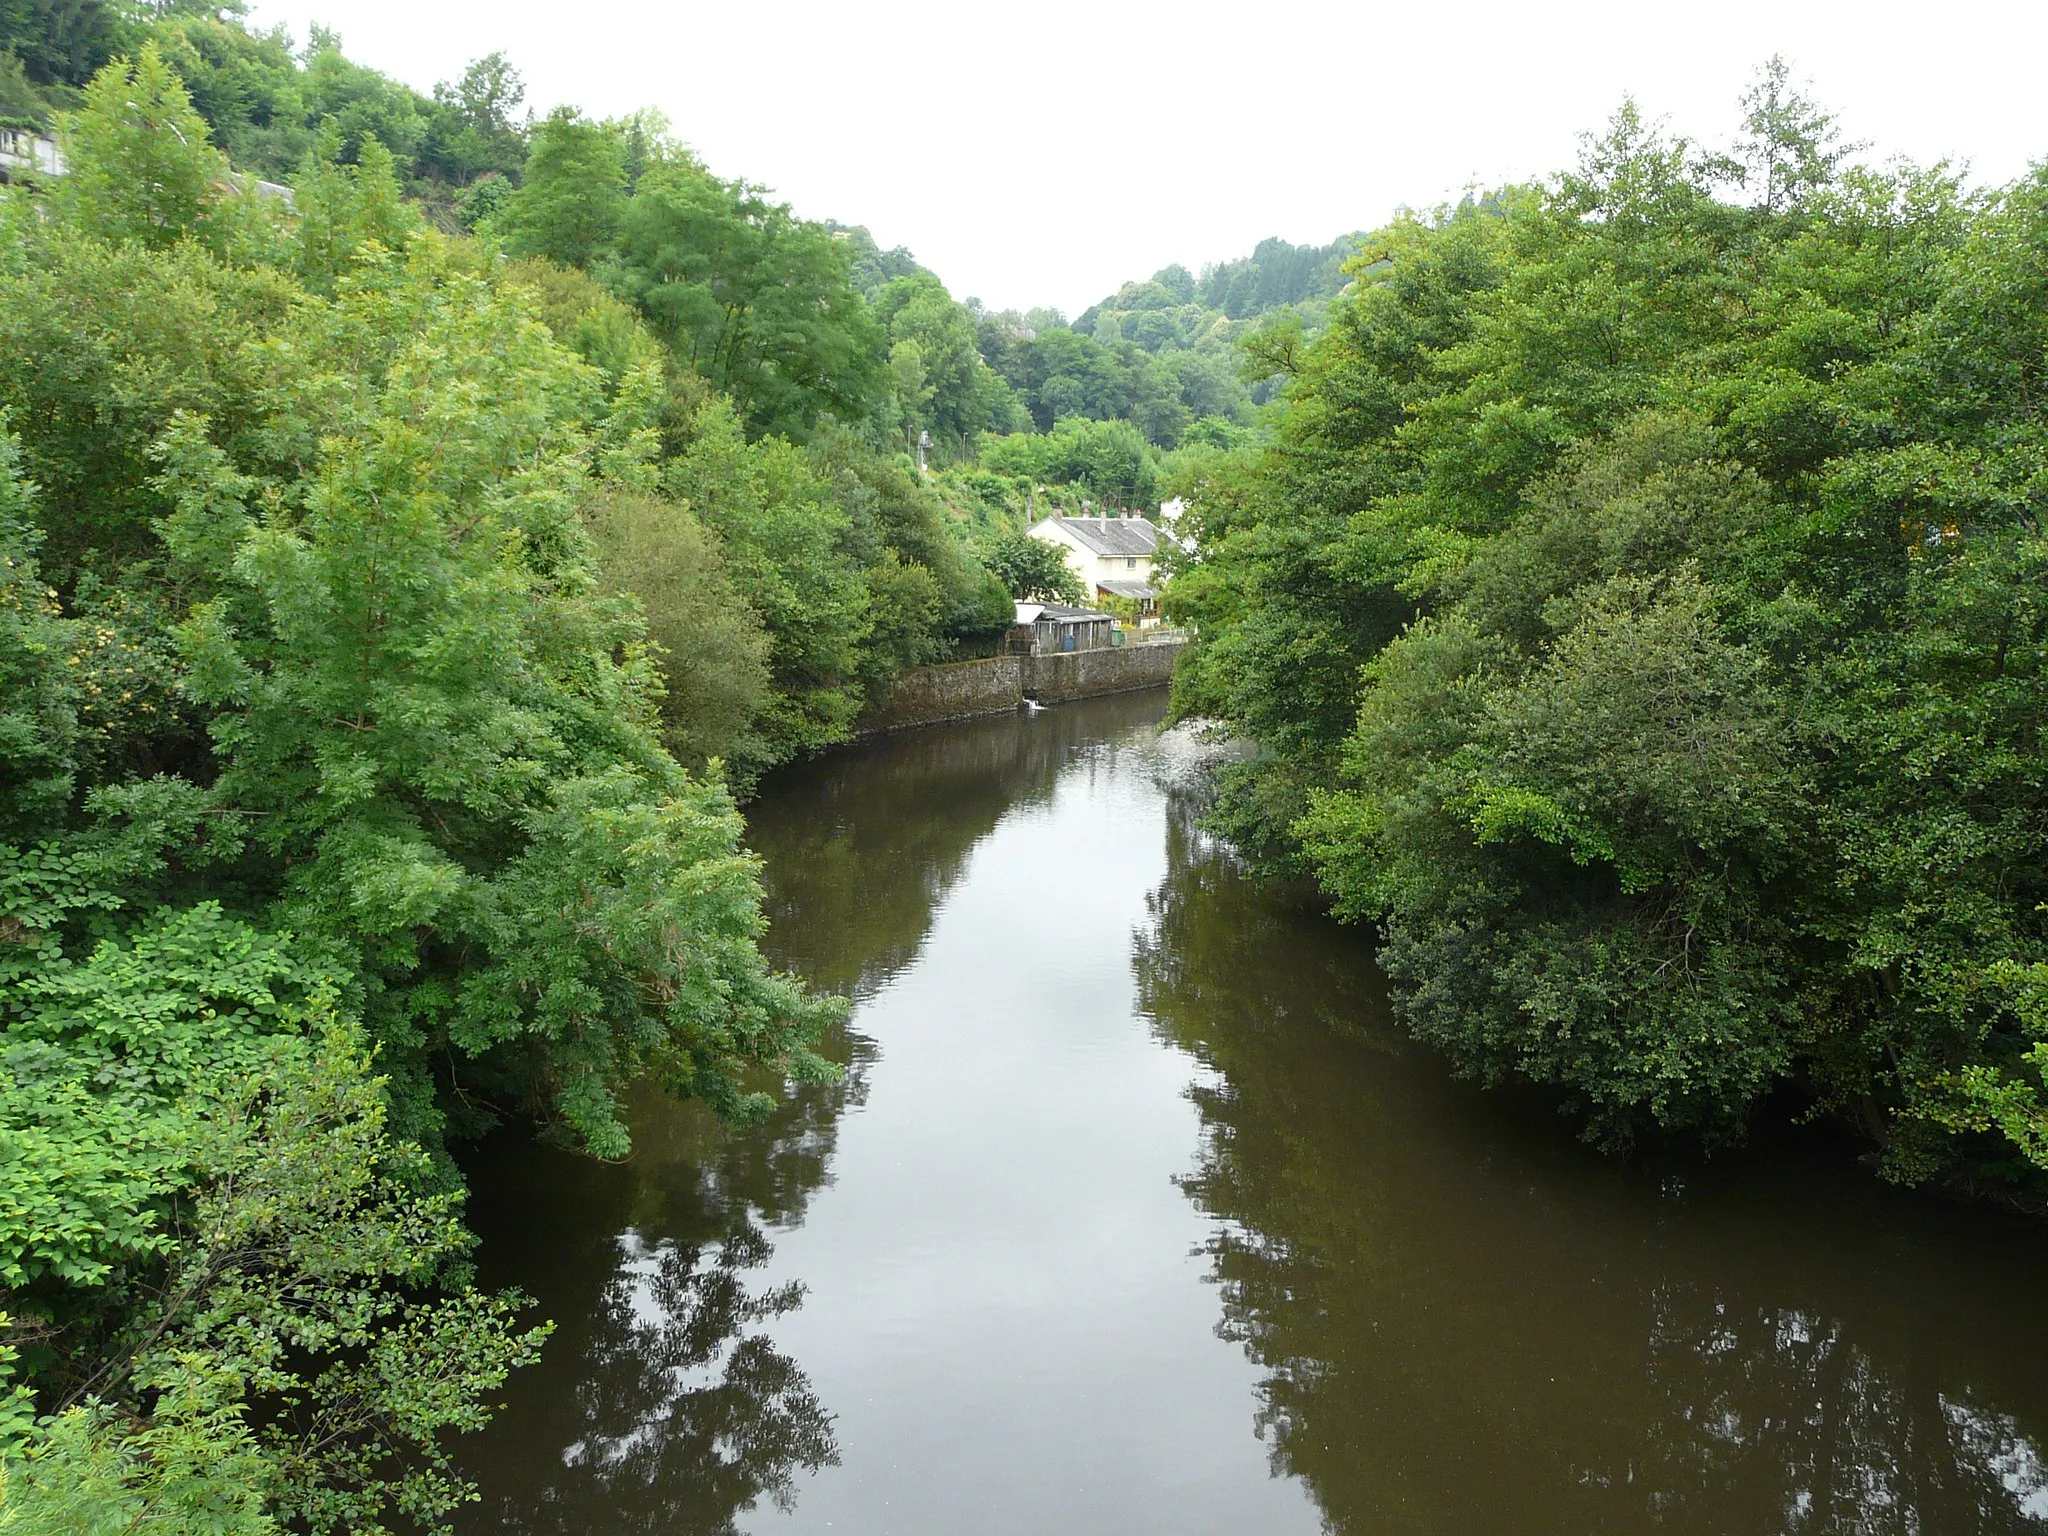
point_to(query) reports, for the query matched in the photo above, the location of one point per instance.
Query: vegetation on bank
(1639, 612)
(396, 586)
(338, 816)
(1635, 593)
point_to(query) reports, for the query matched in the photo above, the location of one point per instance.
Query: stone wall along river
(962, 690)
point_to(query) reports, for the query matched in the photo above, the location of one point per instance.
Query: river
(1134, 1214)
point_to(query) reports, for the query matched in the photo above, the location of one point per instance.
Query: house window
(1131, 564)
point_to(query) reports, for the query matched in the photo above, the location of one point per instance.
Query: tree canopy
(1637, 613)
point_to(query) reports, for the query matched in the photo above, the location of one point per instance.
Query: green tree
(568, 205)
(784, 538)
(436, 599)
(910, 391)
(1637, 614)
(346, 213)
(211, 1224)
(708, 644)
(364, 103)
(61, 42)
(754, 299)
(1789, 149)
(143, 170)
(1033, 569)
(476, 127)
(919, 312)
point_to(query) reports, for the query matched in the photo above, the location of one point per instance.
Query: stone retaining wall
(962, 689)
(1084, 674)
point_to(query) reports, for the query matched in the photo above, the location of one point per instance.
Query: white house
(1112, 555)
(23, 153)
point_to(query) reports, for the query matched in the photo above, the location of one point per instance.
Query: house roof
(1132, 589)
(1056, 613)
(1110, 535)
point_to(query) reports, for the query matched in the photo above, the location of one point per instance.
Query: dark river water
(1134, 1214)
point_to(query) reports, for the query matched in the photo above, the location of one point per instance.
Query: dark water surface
(1134, 1215)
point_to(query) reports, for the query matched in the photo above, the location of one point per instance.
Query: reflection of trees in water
(692, 1172)
(662, 1403)
(1465, 1323)
(863, 845)
(689, 1415)
(1786, 1402)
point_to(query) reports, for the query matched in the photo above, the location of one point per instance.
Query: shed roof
(1111, 535)
(1137, 590)
(1056, 613)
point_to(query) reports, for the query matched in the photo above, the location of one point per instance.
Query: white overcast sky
(1044, 153)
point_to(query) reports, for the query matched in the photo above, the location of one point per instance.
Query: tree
(1655, 674)
(910, 391)
(1032, 569)
(475, 129)
(363, 103)
(61, 42)
(142, 167)
(708, 644)
(425, 599)
(1789, 148)
(568, 204)
(754, 299)
(784, 538)
(225, 1300)
(345, 213)
(919, 312)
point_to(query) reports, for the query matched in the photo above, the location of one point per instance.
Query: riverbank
(963, 690)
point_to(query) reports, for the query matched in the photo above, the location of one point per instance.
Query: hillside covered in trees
(1639, 614)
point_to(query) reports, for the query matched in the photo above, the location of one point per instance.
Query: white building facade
(1113, 556)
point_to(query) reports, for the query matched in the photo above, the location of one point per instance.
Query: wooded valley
(1630, 587)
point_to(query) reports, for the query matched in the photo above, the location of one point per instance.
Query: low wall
(1084, 674)
(956, 691)
(961, 690)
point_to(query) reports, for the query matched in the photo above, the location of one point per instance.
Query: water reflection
(983, 1294)
(663, 1402)
(862, 845)
(688, 1414)
(1467, 1324)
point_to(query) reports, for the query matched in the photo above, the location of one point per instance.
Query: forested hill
(806, 328)
(1175, 308)
(265, 102)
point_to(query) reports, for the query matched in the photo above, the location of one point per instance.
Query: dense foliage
(264, 104)
(337, 815)
(1640, 615)
(794, 320)
(1034, 569)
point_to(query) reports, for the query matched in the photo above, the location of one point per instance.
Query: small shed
(1045, 629)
